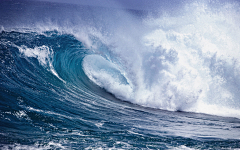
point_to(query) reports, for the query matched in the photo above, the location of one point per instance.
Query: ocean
(119, 74)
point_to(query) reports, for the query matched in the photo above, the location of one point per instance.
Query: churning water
(91, 77)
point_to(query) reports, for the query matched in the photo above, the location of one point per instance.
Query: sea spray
(182, 61)
(114, 62)
(106, 75)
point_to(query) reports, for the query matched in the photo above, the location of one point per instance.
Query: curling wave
(186, 62)
(91, 77)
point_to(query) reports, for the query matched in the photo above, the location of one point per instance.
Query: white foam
(106, 75)
(43, 54)
(207, 47)
(187, 61)
(36, 146)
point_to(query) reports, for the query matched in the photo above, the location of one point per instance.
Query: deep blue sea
(119, 74)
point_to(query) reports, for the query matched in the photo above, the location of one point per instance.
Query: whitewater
(119, 75)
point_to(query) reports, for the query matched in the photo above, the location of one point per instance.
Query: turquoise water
(86, 77)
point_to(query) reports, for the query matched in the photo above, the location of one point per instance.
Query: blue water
(89, 77)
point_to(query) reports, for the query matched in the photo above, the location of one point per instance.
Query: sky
(129, 4)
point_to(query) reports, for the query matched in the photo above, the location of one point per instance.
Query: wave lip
(178, 61)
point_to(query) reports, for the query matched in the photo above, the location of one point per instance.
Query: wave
(180, 61)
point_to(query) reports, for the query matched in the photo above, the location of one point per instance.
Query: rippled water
(86, 77)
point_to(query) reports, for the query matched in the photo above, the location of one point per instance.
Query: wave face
(88, 77)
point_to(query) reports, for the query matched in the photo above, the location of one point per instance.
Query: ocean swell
(179, 61)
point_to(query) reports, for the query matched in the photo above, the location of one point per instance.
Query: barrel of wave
(107, 75)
